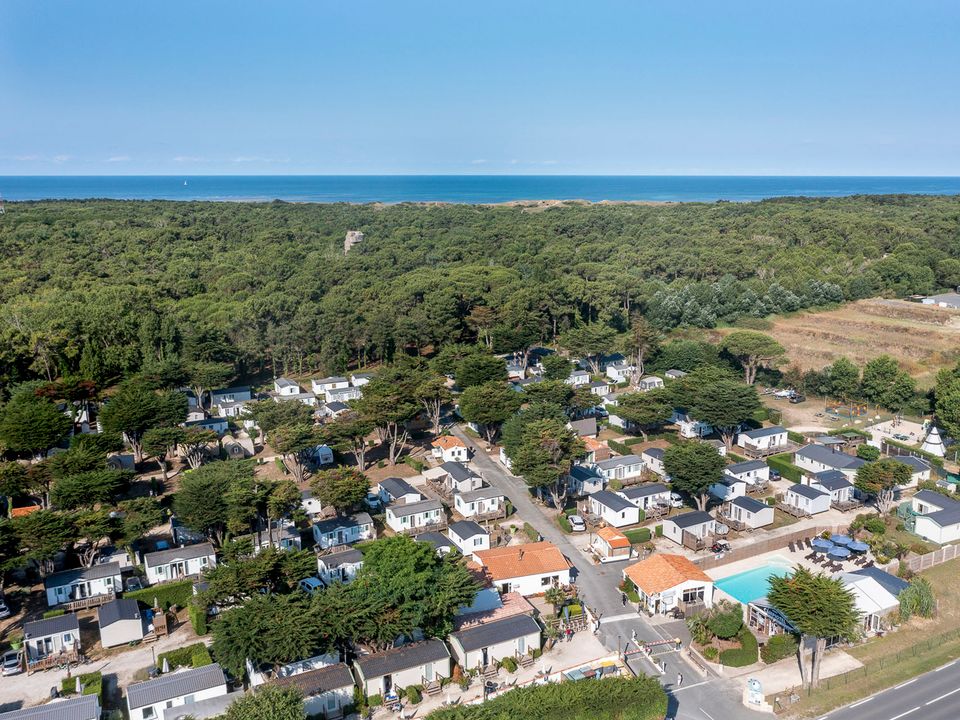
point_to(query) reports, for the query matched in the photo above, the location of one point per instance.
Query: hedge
(564, 522)
(92, 684)
(796, 437)
(612, 698)
(779, 647)
(198, 618)
(186, 656)
(744, 655)
(658, 530)
(53, 613)
(938, 461)
(788, 471)
(619, 447)
(637, 536)
(168, 594)
(735, 457)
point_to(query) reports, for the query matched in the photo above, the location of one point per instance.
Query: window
(693, 595)
(477, 541)
(203, 562)
(544, 581)
(149, 713)
(187, 699)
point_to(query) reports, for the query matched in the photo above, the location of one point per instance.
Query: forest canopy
(103, 289)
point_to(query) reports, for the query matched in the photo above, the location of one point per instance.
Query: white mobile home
(817, 458)
(469, 537)
(613, 509)
(646, 496)
(326, 690)
(55, 636)
(421, 663)
(699, 524)
(121, 622)
(82, 583)
(147, 700)
(809, 499)
(407, 517)
(177, 563)
(484, 501)
(343, 530)
(480, 646)
(653, 459)
(398, 490)
(623, 467)
(764, 441)
(752, 513)
(937, 516)
(339, 564)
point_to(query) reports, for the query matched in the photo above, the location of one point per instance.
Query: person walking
(623, 599)
(679, 679)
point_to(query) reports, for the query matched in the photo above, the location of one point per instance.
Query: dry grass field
(923, 338)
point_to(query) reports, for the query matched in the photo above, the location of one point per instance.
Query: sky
(480, 86)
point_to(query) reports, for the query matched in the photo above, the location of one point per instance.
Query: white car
(576, 523)
(675, 500)
(10, 663)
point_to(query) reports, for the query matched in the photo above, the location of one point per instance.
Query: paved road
(699, 697)
(934, 696)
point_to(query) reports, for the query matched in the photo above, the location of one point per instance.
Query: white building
(421, 663)
(619, 372)
(484, 501)
(179, 562)
(339, 564)
(876, 594)
(754, 472)
(482, 645)
(729, 487)
(764, 440)
(665, 582)
(343, 530)
(469, 537)
(817, 458)
(807, 498)
(528, 569)
(646, 496)
(920, 470)
(326, 690)
(458, 478)
(284, 387)
(752, 513)
(688, 426)
(121, 623)
(450, 448)
(835, 483)
(613, 509)
(649, 382)
(699, 524)
(82, 583)
(653, 459)
(80, 707)
(147, 700)
(937, 516)
(578, 378)
(59, 635)
(584, 480)
(406, 517)
(321, 386)
(623, 467)
(397, 490)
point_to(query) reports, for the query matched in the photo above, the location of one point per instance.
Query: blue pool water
(752, 584)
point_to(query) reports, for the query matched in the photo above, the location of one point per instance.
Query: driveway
(700, 697)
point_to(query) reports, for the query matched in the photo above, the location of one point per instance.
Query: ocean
(461, 188)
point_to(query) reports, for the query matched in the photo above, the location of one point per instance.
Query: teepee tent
(933, 444)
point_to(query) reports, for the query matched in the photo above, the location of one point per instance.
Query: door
(387, 684)
(485, 657)
(340, 537)
(522, 646)
(428, 672)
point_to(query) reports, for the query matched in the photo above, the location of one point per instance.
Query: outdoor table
(840, 553)
(841, 539)
(821, 544)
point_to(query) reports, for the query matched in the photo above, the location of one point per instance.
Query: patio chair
(808, 543)
(868, 564)
(790, 545)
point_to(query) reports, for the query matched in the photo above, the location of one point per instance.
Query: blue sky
(486, 87)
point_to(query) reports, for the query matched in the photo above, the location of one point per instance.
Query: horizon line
(468, 174)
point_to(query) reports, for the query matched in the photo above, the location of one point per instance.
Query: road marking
(906, 683)
(685, 687)
(942, 697)
(944, 667)
(897, 717)
(858, 704)
(624, 616)
(706, 713)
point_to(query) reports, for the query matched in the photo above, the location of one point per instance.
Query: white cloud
(118, 158)
(62, 158)
(478, 162)
(188, 159)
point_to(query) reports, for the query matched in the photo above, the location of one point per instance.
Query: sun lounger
(808, 543)
(790, 545)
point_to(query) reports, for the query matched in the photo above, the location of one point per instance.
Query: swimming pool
(752, 584)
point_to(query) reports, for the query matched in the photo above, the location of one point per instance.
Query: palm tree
(556, 597)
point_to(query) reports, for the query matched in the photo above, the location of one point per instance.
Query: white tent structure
(933, 444)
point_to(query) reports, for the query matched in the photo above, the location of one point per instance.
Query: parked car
(901, 437)
(310, 585)
(774, 474)
(797, 399)
(675, 500)
(4, 608)
(10, 663)
(132, 584)
(577, 524)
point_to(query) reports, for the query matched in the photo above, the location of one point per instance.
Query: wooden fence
(757, 548)
(924, 562)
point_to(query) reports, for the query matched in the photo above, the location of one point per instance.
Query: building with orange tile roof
(528, 569)
(449, 448)
(610, 545)
(665, 582)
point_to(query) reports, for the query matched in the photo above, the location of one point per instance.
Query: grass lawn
(782, 519)
(917, 647)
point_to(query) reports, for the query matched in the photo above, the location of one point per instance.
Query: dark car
(797, 399)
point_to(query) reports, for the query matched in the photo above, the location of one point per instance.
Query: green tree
(947, 400)
(390, 401)
(725, 404)
(511, 432)
(556, 367)
(342, 488)
(552, 392)
(195, 445)
(545, 455)
(844, 380)
(693, 468)
(818, 607)
(204, 376)
(269, 415)
(433, 394)
(489, 405)
(138, 517)
(881, 480)
(268, 630)
(14, 480)
(753, 350)
(216, 496)
(868, 452)
(642, 341)
(645, 410)
(32, 424)
(480, 368)
(589, 341)
(41, 535)
(160, 442)
(88, 489)
(297, 444)
(132, 410)
(885, 384)
(94, 529)
(270, 702)
(348, 433)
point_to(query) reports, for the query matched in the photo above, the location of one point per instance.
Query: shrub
(796, 437)
(875, 525)
(184, 656)
(375, 701)
(415, 463)
(575, 609)
(169, 594)
(619, 447)
(531, 532)
(200, 656)
(771, 501)
(92, 684)
(658, 530)
(535, 653)
(917, 599)
(413, 694)
(564, 522)
(638, 536)
(509, 664)
(198, 618)
(630, 590)
(744, 655)
(868, 452)
(779, 647)
(725, 620)
(753, 323)
(614, 485)
(53, 613)
(610, 698)
(710, 652)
